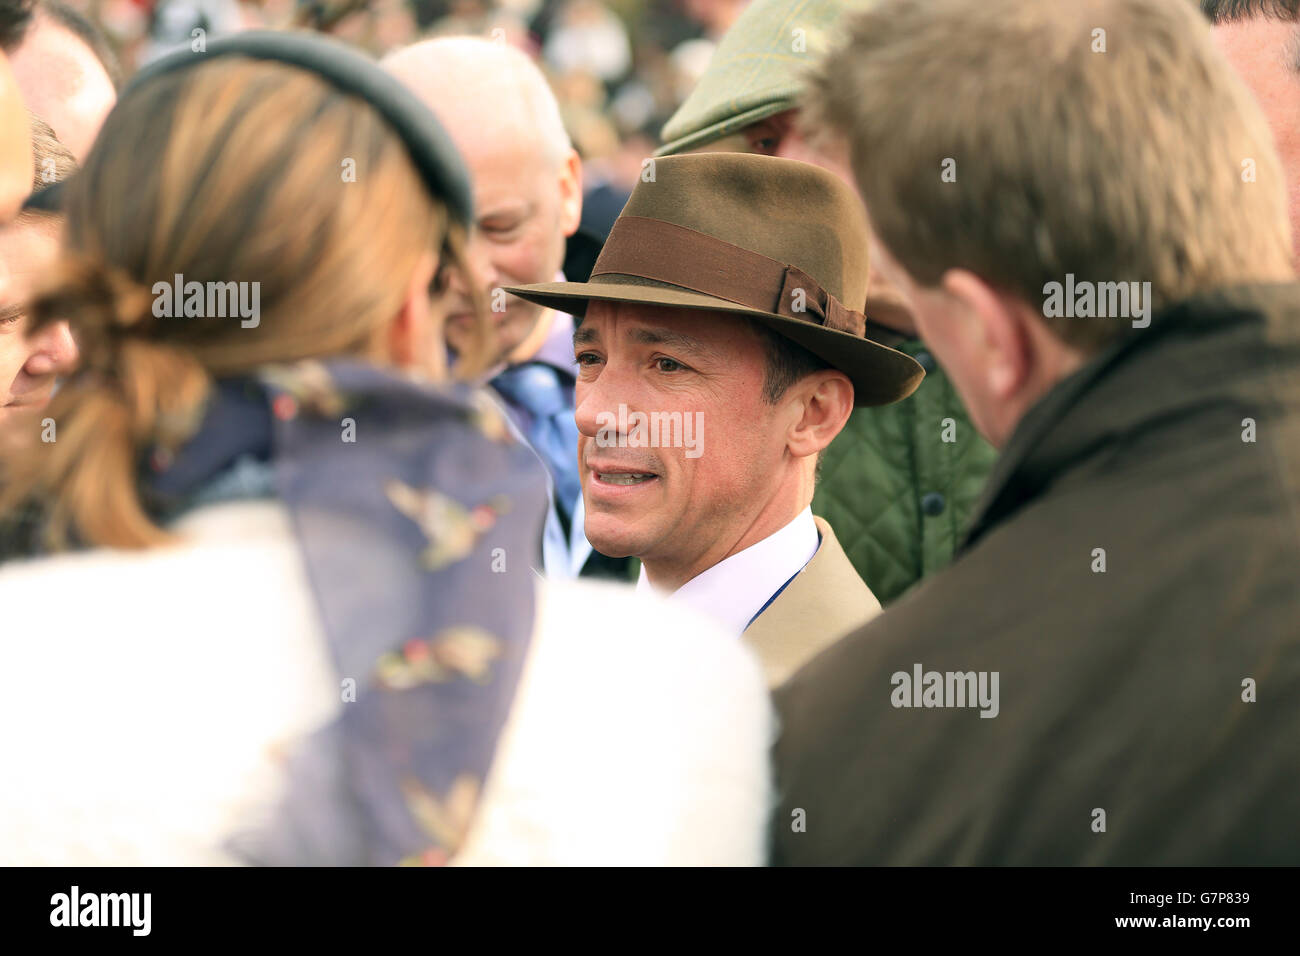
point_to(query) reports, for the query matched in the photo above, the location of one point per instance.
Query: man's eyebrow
(586, 335)
(675, 340)
(513, 207)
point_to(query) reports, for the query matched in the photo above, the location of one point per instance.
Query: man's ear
(570, 193)
(1001, 338)
(825, 400)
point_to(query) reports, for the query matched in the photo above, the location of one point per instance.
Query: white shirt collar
(735, 589)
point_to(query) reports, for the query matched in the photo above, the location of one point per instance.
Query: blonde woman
(297, 621)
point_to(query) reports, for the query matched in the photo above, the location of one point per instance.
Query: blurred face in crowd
(15, 146)
(1266, 55)
(27, 365)
(63, 83)
(527, 204)
(527, 179)
(780, 135)
(716, 16)
(682, 513)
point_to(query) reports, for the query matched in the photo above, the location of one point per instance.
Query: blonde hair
(1107, 139)
(228, 172)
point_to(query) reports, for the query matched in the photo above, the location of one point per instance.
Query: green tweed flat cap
(756, 72)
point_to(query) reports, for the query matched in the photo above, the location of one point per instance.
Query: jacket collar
(823, 602)
(1205, 350)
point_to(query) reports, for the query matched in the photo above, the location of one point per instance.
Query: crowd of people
(618, 68)
(544, 433)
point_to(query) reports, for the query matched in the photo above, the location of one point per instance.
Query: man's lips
(624, 480)
(609, 475)
(17, 404)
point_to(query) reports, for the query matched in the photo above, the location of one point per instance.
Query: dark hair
(787, 363)
(1227, 11)
(15, 15)
(84, 29)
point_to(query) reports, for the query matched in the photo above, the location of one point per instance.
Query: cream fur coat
(145, 698)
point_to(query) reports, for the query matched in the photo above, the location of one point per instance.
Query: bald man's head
(503, 117)
(64, 82)
(474, 84)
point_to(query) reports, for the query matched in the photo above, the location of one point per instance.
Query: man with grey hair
(1107, 672)
(504, 119)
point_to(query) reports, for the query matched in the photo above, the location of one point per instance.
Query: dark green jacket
(1148, 706)
(897, 493)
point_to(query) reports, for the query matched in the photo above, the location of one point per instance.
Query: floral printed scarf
(419, 517)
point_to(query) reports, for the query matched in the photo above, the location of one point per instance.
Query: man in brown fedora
(900, 482)
(721, 347)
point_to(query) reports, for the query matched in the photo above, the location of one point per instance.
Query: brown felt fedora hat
(774, 240)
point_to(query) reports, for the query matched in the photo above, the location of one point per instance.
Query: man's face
(527, 204)
(779, 135)
(27, 366)
(15, 146)
(955, 339)
(63, 83)
(661, 503)
(1001, 356)
(1266, 55)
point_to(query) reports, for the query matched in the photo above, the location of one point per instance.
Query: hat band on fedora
(666, 252)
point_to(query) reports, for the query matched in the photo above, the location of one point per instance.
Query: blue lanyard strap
(777, 594)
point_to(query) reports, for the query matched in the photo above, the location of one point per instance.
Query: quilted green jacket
(900, 481)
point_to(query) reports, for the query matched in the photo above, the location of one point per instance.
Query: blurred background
(618, 67)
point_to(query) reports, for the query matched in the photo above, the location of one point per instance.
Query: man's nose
(792, 146)
(482, 272)
(597, 400)
(53, 350)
